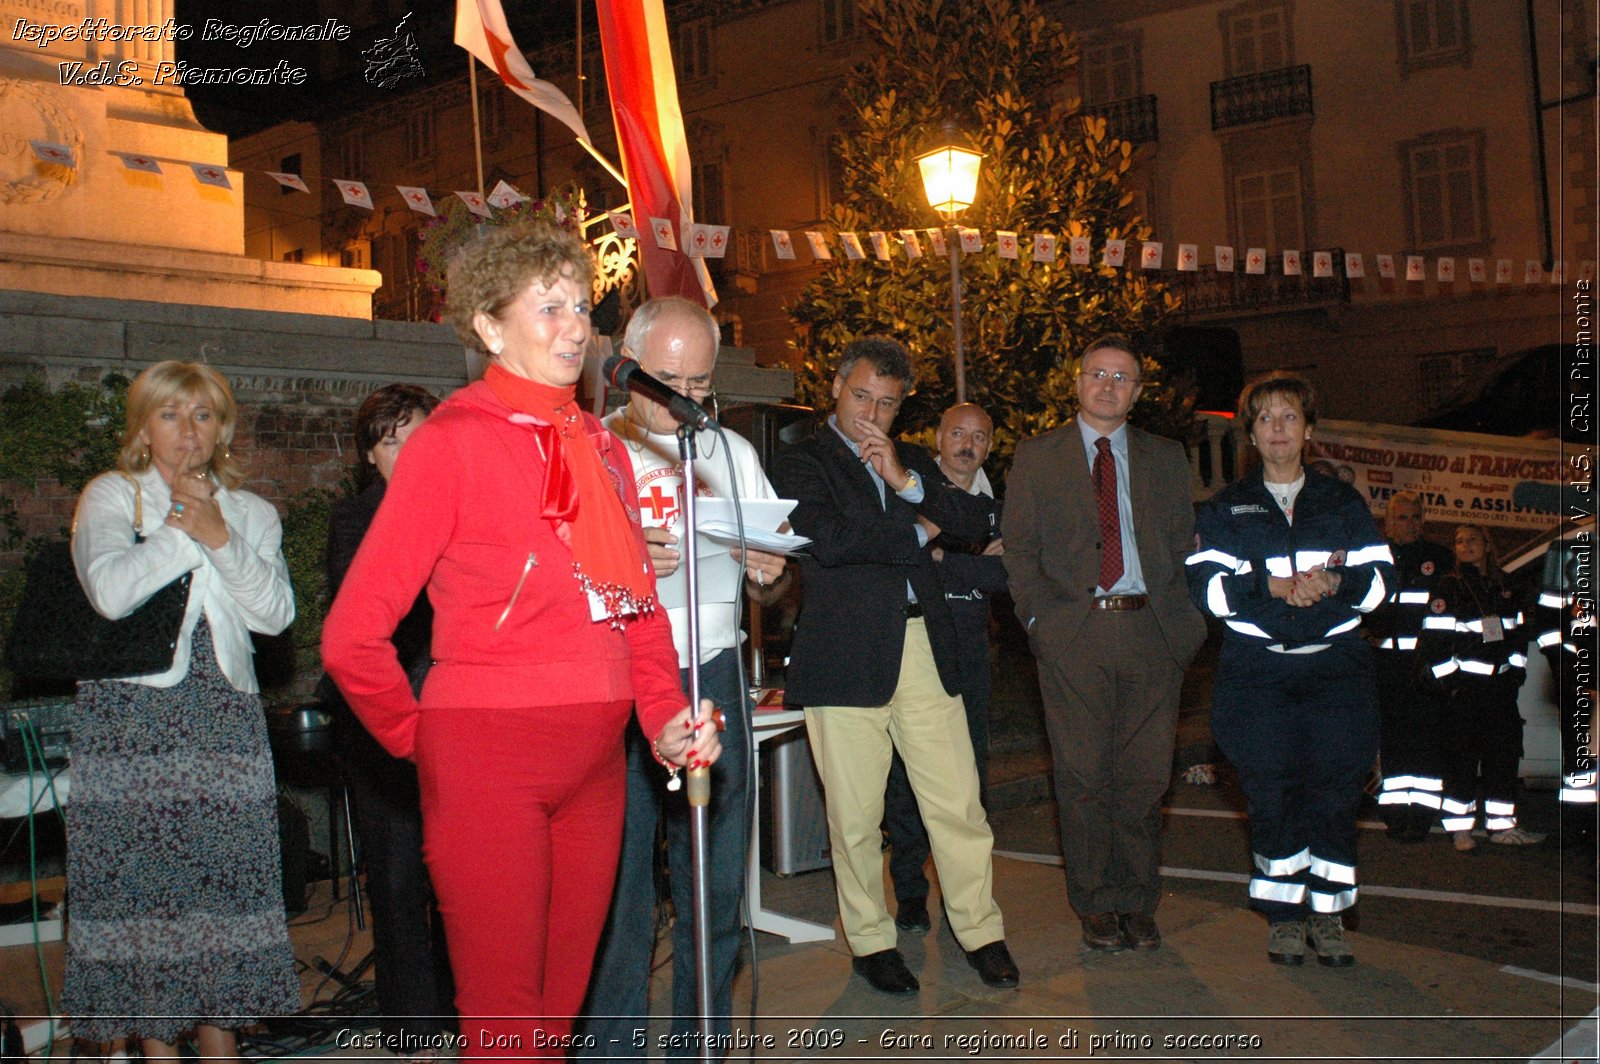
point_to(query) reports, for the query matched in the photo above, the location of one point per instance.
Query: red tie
(1105, 496)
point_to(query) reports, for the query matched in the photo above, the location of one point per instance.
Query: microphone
(620, 371)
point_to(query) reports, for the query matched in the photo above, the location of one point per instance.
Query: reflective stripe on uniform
(1413, 598)
(1283, 866)
(1378, 552)
(1270, 890)
(1332, 903)
(1333, 871)
(1446, 623)
(1444, 668)
(1246, 628)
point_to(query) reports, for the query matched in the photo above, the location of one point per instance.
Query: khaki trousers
(852, 746)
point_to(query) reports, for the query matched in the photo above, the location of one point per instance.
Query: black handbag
(58, 635)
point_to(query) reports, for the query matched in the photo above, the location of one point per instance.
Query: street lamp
(950, 178)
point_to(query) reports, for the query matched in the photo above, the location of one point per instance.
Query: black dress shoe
(1102, 932)
(994, 964)
(911, 916)
(886, 970)
(1139, 931)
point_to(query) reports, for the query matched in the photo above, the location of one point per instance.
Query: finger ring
(761, 578)
(177, 507)
(719, 720)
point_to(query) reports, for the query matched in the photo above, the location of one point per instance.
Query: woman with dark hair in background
(172, 833)
(1289, 560)
(516, 510)
(1474, 646)
(411, 966)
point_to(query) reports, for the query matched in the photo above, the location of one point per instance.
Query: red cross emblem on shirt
(658, 503)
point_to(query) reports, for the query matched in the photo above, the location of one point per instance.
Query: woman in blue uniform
(1289, 560)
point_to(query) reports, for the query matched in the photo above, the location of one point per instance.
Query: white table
(769, 724)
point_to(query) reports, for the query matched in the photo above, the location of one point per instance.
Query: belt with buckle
(913, 609)
(1119, 602)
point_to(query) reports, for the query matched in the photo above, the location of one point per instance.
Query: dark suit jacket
(1052, 532)
(850, 634)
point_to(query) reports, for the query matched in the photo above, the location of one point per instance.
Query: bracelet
(673, 782)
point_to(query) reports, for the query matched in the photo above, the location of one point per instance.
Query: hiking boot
(1516, 837)
(1286, 943)
(1325, 934)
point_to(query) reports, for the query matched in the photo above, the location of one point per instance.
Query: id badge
(1492, 632)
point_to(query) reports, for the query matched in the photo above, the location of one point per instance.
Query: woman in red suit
(515, 509)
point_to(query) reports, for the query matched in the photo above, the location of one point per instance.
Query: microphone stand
(699, 790)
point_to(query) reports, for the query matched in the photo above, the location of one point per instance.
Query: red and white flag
(782, 244)
(936, 242)
(1150, 255)
(207, 174)
(294, 181)
(971, 240)
(666, 239)
(1116, 252)
(1477, 273)
(1255, 260)
(1223, 257)
(1006, 243)
(48, 151)
(135, 161)
(505, 195)
(880, 244)
(475, 203)
(1446, 270)
(1189, 257)
(1291, 263)
(1079, 253)
(354, 193)
(913, 246)
(655, 150)
(708, 241)
(852, 246)
(1416, 269)
(481, 29)
(819, 245)
(1355, 266)
(622, 225)
(1503, 271)
(1322, 264)
(1558, 272)
(1532, 272)
(1044, 247)
(417, 199)
(1386, 267)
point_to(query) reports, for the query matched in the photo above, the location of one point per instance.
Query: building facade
(1446, 129)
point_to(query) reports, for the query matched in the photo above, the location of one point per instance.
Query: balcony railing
(1132, 119)
(1207, 293)
(1261, 97)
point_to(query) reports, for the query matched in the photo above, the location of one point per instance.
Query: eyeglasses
(1100, 376)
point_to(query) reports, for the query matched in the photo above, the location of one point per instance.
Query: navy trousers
(1302, 730)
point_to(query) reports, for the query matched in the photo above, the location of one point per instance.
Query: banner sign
(1497, 481)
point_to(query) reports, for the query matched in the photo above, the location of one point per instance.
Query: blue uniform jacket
(1242, 538)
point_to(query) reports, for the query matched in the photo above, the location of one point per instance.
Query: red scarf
(580, 497)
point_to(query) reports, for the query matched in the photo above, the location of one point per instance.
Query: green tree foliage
(70, 435)
(1002, 72)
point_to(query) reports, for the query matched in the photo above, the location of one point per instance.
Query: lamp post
(950, 178)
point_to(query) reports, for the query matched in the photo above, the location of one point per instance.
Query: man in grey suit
(1097, 525)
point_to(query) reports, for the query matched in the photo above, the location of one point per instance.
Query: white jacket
(242, 588)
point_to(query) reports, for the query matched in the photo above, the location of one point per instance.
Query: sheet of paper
(762, 514)
(721, 578)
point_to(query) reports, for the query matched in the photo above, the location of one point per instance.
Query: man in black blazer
(874, 662)
(1095, 553)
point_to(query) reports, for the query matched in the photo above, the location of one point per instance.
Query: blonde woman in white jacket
(173, 865)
